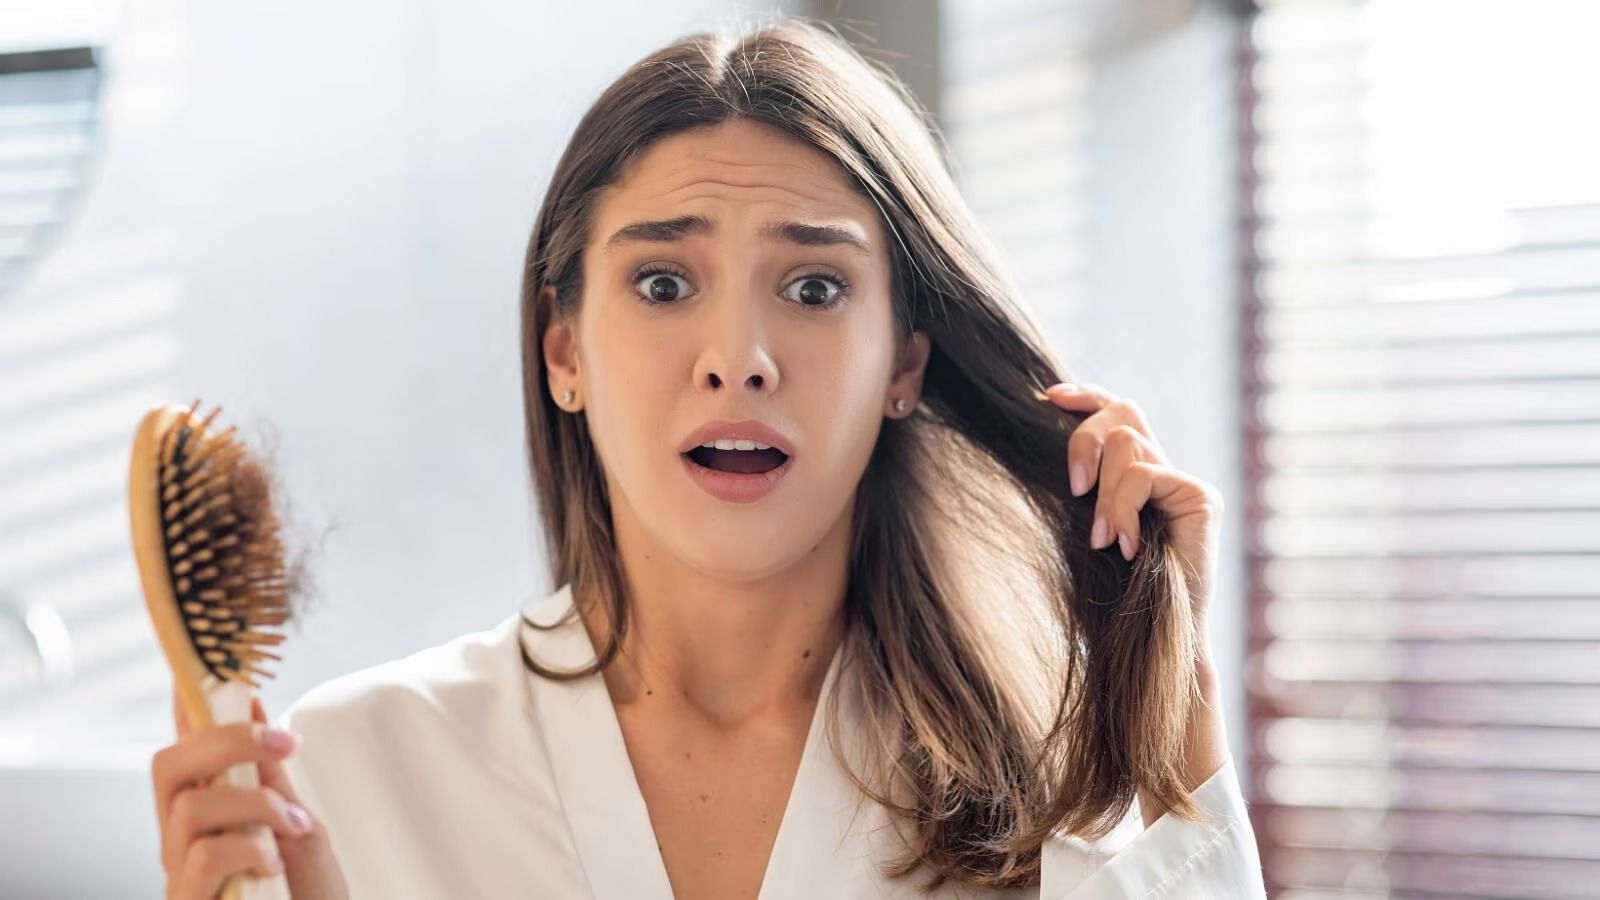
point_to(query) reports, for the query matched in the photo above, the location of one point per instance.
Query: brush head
(208, 546)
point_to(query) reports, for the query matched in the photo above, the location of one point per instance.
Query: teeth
(730, 444)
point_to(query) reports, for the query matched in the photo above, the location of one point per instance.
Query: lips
(742, 430)
(735, 487)
(732, 474)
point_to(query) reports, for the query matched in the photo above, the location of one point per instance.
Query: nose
(737, 355)
(753, 371)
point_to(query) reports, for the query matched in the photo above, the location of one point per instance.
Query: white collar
(822, 848)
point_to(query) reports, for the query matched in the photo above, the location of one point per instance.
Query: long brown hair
(1025, 683)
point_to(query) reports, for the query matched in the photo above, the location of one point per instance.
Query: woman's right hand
(201, 842)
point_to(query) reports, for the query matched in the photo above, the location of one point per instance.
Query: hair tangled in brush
(262, 486)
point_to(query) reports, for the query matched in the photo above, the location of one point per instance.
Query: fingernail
(1126, 543)
(1080, 478)
(1065, 387)
(279, 741)
(298, 818)
(1098, 535)
(275, 866)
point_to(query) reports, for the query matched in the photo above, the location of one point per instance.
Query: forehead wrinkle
(803, 233)
(803, 207)
(829, 194)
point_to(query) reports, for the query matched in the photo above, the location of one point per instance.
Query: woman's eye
(813, 290)
(659, 287)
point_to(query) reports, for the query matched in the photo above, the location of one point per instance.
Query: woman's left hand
(1115, 448)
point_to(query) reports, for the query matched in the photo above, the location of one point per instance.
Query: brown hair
(1025, 683)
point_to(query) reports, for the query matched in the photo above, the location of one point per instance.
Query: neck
(729, 649)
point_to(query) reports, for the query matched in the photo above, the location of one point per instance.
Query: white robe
(456, 773)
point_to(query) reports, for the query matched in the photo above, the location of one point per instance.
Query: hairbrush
(211, 564)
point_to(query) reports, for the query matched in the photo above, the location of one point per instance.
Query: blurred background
(1345, 254)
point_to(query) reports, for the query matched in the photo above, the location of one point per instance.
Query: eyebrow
(680, 227)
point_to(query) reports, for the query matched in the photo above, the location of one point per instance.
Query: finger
(212, 859)
(1172, 491)
(199, 812)
(1092, 398)
(1120, 449)
(1123, 446)
(274, 775)
(202, 756)
(1085, 446)
(1131, 494)
(1079, 397)
(1085, 449)
(308, 850)
(272, 771)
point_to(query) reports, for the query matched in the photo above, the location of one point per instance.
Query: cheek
(843, 387)
(628, 399)
(862, 367)
(621, 353)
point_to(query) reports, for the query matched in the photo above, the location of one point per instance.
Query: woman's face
(717, 311)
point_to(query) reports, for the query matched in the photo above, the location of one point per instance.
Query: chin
(736, 551)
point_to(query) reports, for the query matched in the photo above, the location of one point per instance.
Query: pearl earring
(899, 404)
(566, 396)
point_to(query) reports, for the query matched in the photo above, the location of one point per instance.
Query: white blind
(88, 341)
(1423, 383)
(49, 115)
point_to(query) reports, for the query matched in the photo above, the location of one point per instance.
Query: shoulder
(414, 752)
(475, 683)
(453, 680)
(375, 732)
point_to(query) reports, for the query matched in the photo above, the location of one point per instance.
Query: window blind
(88, 341)
(48, 118)
(1422, 387)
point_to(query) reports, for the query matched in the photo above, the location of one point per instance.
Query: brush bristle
(223, 547)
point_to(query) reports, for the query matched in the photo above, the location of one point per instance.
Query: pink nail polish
(298, 818)
(1127, 546)
(1097, 537)
(279, 741)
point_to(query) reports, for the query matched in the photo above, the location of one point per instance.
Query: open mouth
(738, 462)
(733, 475)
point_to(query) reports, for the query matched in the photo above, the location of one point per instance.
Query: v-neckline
(599, 788)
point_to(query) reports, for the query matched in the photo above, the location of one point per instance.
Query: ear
(560, 343)
(909, 367)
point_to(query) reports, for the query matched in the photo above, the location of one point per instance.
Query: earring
(566, 396)
(899, 404)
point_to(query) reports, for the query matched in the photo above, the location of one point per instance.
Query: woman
(845, 607)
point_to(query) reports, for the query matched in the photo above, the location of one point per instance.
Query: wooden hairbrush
(211, 564)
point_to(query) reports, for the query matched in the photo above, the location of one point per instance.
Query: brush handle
(229, 702)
